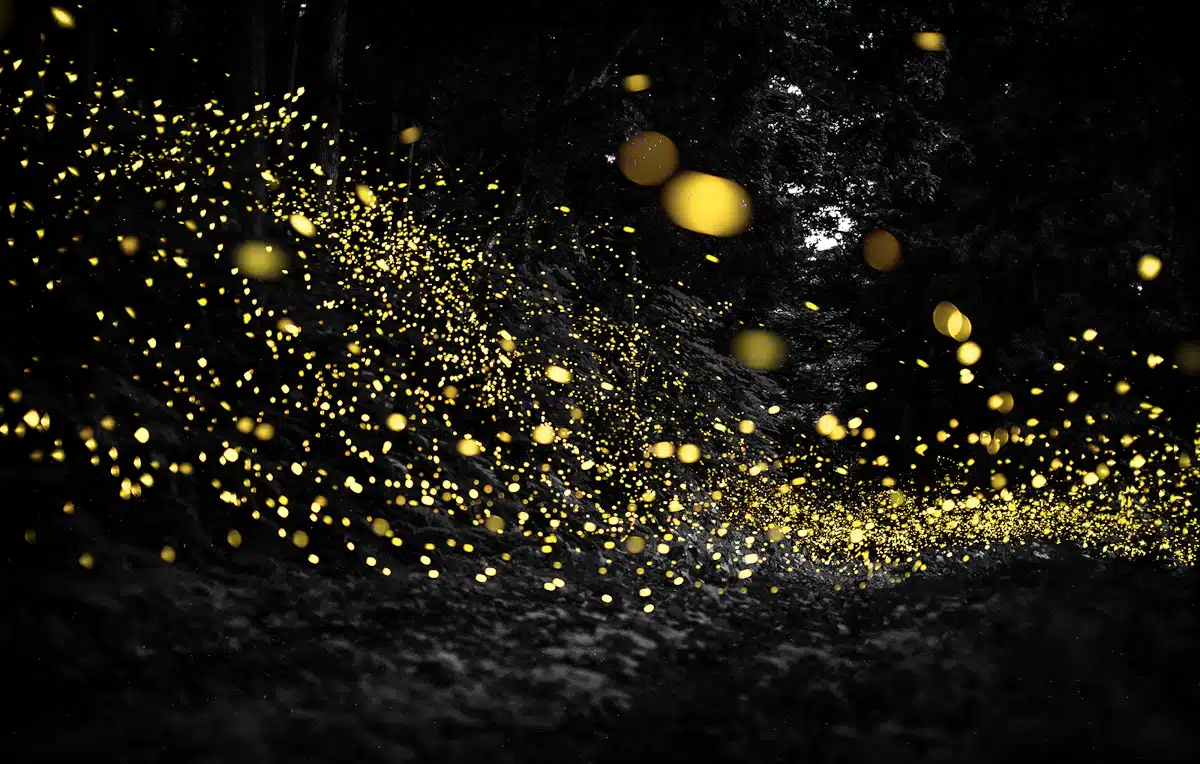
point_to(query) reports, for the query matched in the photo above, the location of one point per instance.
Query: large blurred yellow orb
(942, 314)
(1187, 356)
(930, 41)
(648, 159)
(635, 83)
(260, 260)
(759, 349)
(969, 353)
(959, 327)
(1148, 267)
(881, 250)
(707, 204)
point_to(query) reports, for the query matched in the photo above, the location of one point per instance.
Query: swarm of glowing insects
(359, 368)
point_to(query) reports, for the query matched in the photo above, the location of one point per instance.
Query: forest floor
(1067, 656)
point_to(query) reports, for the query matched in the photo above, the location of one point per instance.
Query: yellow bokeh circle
(930, 41)
(635, 83)
(707, 204)
(648, 159)
(759, 349)
(881, 250)
(260, 260)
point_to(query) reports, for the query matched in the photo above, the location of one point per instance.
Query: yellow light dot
(396, 422)
(663, 449)
(63, 18)
(167, 554)
(1002, 402)
(959, 327)
(635, 544)
(1148, 267)
(410, 135)
(469, 447)
(969, 353)
(141, 435)
(302, 225)
(129, 244)
(941, 317)
(300, 539)
(234, 539)
(558, 374)
(827, 424)
(365, 195)
(494, 523)
(746, 426)
(543, 434)
(86, 560)
(707, 204)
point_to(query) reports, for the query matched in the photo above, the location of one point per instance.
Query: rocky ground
(1065, 657)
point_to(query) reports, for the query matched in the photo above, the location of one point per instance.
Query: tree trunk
(331, 147)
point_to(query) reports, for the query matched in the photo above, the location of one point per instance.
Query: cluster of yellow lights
(414, 371)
